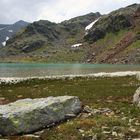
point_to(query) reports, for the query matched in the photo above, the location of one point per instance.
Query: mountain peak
(7, 31)
(21, 22)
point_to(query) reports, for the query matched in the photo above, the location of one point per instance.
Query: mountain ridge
(8, 30)
(112, 38)
(50, 33)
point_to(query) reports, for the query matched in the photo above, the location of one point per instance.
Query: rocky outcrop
(136, 98)
(29, 115)
(8, 31)
(44, 33)
(115, 21)
(125, 42)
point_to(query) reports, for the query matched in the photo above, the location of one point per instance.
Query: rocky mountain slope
(115, 38)
(47, 33)
(92, 38)
(7, 31)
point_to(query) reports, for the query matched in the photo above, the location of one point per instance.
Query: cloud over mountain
(55, 10)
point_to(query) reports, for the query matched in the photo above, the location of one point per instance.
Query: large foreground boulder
(136, 98)
(29, 115)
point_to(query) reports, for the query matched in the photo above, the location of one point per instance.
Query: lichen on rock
(136, 97)
(29, 115)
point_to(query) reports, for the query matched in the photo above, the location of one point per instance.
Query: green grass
(111, 39)
(135, 45)
(114, 93)
(51, 55)
(66, 55)
(63, 54)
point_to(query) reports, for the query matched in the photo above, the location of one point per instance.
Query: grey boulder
(138, 76)
(136, 97)
(29, 115)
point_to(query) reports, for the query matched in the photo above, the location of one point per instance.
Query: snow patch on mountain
(7, 38)
(76, 45)
(91, 24)
(10, 31)
(4, 43)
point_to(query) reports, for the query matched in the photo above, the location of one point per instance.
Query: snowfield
(91, 24)
(76, 45)
(10, 31)
(4, 43)
(7, 38)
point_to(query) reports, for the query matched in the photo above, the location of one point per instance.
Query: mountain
(7, 31)
(92, 38)
(115, 38)
(47, 39)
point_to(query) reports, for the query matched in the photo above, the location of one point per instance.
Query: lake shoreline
(14, 80)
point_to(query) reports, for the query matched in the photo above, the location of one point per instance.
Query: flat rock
(30, 115)
(136, 97)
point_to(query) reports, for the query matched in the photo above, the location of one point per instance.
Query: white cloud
(55, 10)
(61, 9)
(65, 9)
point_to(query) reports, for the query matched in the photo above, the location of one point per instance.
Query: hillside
(8, 30)
(46, 40)
(115, 38)
(92, 38)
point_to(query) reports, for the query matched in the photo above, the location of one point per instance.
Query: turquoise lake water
(30, 70)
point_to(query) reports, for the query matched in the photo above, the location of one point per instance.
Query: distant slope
(92, 38)
(3, 25)
(43, 34)
(7, 31)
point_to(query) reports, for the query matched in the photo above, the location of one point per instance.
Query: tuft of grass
(135, 45)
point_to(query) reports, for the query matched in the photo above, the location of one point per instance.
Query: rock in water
(136, 97)
(29, 115)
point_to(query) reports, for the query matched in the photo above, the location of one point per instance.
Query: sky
(55, 10)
